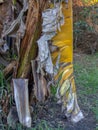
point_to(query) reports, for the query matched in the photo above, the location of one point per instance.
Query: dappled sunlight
(82, 3)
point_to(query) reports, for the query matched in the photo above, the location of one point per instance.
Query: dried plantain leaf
(41, 90)
(22, 101)
(17, 24)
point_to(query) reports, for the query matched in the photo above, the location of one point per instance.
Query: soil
(51, 112)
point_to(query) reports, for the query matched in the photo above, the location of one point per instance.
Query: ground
(48, 116)
(51, 114)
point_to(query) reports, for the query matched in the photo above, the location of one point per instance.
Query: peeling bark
(28, 47)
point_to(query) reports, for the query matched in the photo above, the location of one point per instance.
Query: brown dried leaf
(9, 68)
(40, 85)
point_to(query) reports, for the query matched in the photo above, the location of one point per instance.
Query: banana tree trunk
(28, 52)
(28, 49)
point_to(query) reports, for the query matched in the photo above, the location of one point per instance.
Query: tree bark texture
(28, 48)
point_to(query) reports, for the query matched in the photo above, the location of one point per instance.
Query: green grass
(2, 85)
(86, 75)
(43, 125)
(86, 72)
